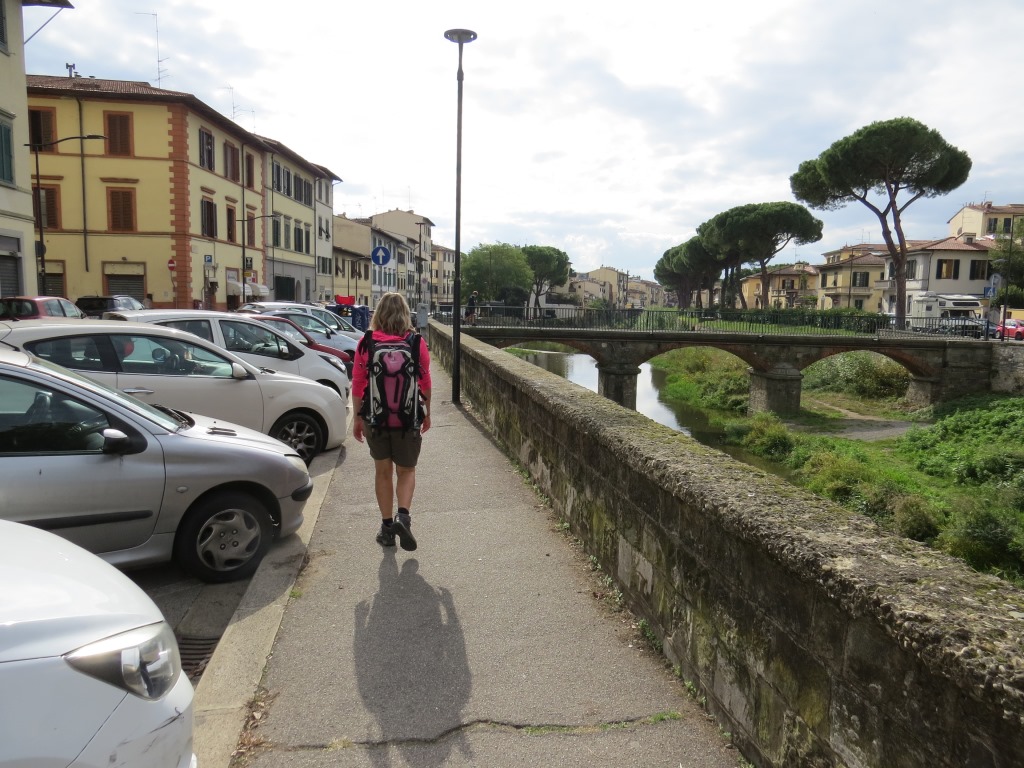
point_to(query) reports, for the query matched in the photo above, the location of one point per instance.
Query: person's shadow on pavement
(411, 667)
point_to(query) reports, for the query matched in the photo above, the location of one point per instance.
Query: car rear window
(94, 304)
(16, 308)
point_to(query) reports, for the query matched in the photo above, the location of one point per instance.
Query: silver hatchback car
(137, 484)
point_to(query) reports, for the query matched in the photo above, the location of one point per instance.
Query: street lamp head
(460, 36)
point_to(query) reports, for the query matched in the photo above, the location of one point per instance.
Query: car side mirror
(238, 371)
(115, 441)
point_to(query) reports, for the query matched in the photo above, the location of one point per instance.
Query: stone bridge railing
(941, 368)
(817, 640)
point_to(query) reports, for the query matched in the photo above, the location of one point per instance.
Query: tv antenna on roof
(159, 69)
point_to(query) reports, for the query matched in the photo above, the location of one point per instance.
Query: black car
(95, 306)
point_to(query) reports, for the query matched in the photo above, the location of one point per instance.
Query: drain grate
(195, 654)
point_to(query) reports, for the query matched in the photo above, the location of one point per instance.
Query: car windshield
(161, 417)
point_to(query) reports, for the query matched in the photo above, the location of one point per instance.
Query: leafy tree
(686, 268)
(758, 231)
(496, 270)
(550, 267)
(1008, 257)
(884, 159)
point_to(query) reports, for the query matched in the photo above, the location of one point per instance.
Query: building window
(6, 152)
(119, 133)
(206, 153)
(1007, 226)
(323, 265)
(860, 279)
(231, 170)
(858, 303)
(288, 233)
(298, 237)
(992, 225)
(979, 269)
(51, 206)
(208, 218)
(286, 182)
(250, 230)
(230, 234)
(309, 236)
(276, 176)
(3, 27)
(947, 269)
(824, 280)
(276, 231)
(40, 129)
(298, 187)
(250, 171)
(911, 269)
(121, 210)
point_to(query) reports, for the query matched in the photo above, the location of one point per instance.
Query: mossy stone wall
(817, 640)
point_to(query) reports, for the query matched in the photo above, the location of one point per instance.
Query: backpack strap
(413, 340)
(366, 345)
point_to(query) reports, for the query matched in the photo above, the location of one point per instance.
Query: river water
(582, 369)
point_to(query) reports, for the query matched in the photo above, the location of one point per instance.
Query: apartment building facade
(789, 285)
(19, 264)
(413, 231)
(352, 247)
(442, 276)
(851, 276)
(985, 219)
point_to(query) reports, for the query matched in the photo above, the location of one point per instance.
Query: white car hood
(56, 597)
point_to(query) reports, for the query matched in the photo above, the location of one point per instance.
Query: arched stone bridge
(941, 368)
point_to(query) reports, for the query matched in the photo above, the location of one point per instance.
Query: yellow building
(851, 277)
(981, 219)
(19, 267)
(353, 243)
(788, 286)
(442, 276)
(171, 202)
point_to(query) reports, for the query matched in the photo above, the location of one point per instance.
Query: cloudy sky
(608, 129)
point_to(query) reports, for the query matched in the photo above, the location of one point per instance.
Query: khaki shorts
(401, 446)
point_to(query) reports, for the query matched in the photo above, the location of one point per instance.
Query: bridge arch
(940, 368)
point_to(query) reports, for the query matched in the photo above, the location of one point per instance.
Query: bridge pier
(777, 390)
(617, 382)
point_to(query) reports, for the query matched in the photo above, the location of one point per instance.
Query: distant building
(442, 276)
(980, 219)
(851, 277)
(788, 286)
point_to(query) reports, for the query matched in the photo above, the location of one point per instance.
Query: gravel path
(857, 426)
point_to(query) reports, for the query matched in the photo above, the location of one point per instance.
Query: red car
(297, 334)
(31, 307)
(1013, 329)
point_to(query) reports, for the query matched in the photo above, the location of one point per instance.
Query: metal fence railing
(791, 321)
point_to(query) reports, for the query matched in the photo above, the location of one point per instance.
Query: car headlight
(335, 361)
(143, 661)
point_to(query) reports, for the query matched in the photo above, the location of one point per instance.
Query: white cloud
(608, 130)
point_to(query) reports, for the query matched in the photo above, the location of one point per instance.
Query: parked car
(333, 321)
(1011, 329)
(319, 330)
(168, 367)
(138, 484)
(286, 327)
(251, 340)
(90, 670)
(29, 307)
(95, 306)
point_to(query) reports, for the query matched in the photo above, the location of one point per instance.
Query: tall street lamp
(460, 36)
(40, 202)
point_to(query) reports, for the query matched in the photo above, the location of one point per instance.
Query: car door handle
(137, 391)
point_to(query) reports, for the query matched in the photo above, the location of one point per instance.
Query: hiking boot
(403, 527)
(386, 536)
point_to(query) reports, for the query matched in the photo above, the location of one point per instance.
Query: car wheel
(302, 432)
(224, 537)
(1018, 335)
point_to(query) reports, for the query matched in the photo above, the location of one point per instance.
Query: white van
(255, 342)
(958, 314)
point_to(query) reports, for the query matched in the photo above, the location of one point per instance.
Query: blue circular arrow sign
(380, 255)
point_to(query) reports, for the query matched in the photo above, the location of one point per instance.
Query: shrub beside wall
(817, 640)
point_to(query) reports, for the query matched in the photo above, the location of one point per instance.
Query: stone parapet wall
(1008, 368)
(817, 640)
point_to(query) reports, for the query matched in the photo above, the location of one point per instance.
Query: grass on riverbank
(956, 484)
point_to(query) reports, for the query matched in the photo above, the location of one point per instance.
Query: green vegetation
(956, 484)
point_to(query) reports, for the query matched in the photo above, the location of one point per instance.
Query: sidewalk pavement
(484, 647)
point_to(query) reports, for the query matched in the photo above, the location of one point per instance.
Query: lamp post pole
(461, 37)
(41, 243)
